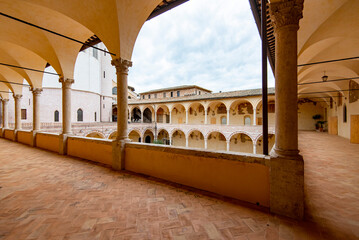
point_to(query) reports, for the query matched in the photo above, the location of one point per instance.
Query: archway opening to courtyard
(178, 139)
(95, 135)
(163, 137)
(241, 142)
(271, 112)
(113, 135)
(217, 113)
(178, 114)
(241, 113)
(148, 136)
(147, 116)
(196, 114)
(216, 141)
(271, 141)
(163, 114)
(196, 139)
(136, 115)
(135, 136)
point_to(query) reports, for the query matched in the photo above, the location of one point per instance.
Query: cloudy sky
(211, 43)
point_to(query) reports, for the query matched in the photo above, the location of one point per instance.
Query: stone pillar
(17, 99)
(122, 67)
(36, 93)
(186, 116)
(228, 115)
(287, 167)
(66, 113)
(254, 148)
(186, 141)
(228, 144)
(170, 117)
(205, 115)
(255, 116)
(5, 113)
(205, 143)
(170, 140)
(141, 116)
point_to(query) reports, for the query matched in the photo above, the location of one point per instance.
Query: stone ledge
(88, 139)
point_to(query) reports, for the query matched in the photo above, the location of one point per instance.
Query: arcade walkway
(47, 196)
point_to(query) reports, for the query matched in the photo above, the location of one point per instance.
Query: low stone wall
(240, 176)
(94, 149)
(48, 141)
(24, 137)
(9, 134)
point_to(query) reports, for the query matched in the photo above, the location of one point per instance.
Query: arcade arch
(135, 136)
(178, 138)
(241, 142)
(195, 139)
(178, 114)
(216, 141)
(196, 114)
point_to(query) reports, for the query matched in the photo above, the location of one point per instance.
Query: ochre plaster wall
(48, 141)
(306, 111)
(93, 149)
(24, 137)
(226, 174)
(237, 145)
(9, 134)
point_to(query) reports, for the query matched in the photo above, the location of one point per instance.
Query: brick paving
(47, 196)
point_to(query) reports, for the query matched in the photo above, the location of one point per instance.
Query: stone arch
(113, 135)
(147, 115)
(241, 141)
(196, 113)
(95, 134)
(136, 114)
(239, 109)
(271, 111)
(195, 139)
(178, 114)
(163, 136)
(163, 114)
(135, 135)
(216, 140)
(178, 138)
(259, 146)
(148, 135)
(216, 110)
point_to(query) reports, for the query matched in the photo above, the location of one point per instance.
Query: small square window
(164, 94)
(149, 96)
(178, 93)
(23, 114)
(171, 94)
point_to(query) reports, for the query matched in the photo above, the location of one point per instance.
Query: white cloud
(210, 43)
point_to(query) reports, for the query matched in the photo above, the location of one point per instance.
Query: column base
(287, 184)
(33, 142)
(63, 144)
(15, 135)
(118, 154)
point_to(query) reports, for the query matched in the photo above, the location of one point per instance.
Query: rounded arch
(162, 114)
(195, 139)
(178, 114)
(134, 135)
(147, 115)
(259, 143)
(113, 135)
(163, 136)
(80, 115)
(148, 135)
(95, 134)
(216, 110)
(216, 140)
(241, 141)
(196, 113)
(178, 138)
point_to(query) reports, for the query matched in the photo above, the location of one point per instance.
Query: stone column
(36, 93)
(170, 140)
(66, 105)
(254, 148)
(228, 115)
(255, 116)
(287, 167)
(186, 141)
(17, 99)
(228, 144)
(186, 116)
(205, 115)
(122, 67)
(141, 115)
(170, 117)
(5, 113)
(205, 143)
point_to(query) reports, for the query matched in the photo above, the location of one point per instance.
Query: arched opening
(134, 136)
(271, 141)
(179, 138)
(95, 135)
(195, 139)
(271, 112)
(163, 114)
(216, 141)
(114, 114)
(216, 111)
(136, 115)
(56, 116)
(241, 142)
(113, 135)
(240, 111)
(196, 114)
(178, 114)
(148, 136)
(163, 137)
(223, 120)
(147, 116)
(80, 117)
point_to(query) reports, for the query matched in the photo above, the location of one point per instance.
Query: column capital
(36, 91)
(5, 100)
(286, 13)
(17, 96)
(67, 82)
(122, 65)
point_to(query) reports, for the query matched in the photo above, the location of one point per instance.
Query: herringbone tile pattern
(47, 196)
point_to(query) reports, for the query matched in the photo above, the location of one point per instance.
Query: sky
(210, 43)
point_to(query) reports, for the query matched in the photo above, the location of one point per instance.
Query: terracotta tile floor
(47, 196)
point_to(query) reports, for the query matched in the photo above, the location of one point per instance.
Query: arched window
(345, 113)
(95, 116)
(56, 116)
(247, 120)
(80, 116)
(223, 120)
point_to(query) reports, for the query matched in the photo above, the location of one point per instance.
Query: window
(95, 116)
(103, 97)
(199, 92)
(155, 95)
(143, 97)
(171, 94)
(345, 113)
(104, 74)
(247, 120)
(114, 91)
(223, 120)
(56, 116)
(80, 116)
(95, 53)
(178, 93)
(103, 105)
(164, 94)
(23, 114)
(29, 102)
(149, 96)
